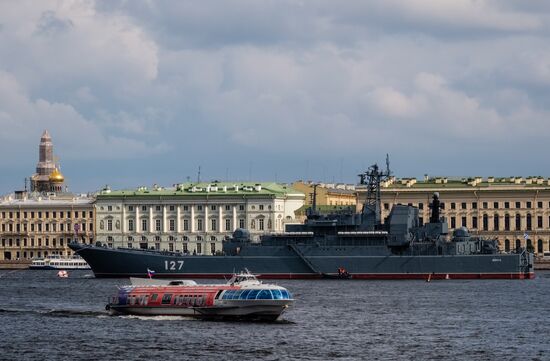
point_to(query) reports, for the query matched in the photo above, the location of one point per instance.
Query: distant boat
(58, 262)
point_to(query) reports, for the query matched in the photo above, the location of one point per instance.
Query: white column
(137, 223)
(220, 220)
(234, 218)
(178, 221)
(123, 225)
(151, 224)
(164, 228)
(206, 220)
(192, 219)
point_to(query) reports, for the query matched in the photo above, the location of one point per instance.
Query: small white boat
(58, 262)
(242, 297)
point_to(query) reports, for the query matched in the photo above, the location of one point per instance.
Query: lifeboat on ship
(242, 297)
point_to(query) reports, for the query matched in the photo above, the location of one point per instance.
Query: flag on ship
(526, 236)
(150, 273)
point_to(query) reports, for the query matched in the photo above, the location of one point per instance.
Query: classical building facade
(515, 210)
(33, 226)
(192, 218)
(328, 194)
(48, 177)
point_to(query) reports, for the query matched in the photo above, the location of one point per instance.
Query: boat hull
(107, 262)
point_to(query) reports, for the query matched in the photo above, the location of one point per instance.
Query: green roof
(212, 189)
(465, 183)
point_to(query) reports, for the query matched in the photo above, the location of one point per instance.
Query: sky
(143, 92)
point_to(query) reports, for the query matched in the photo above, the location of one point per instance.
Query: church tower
(47, 178)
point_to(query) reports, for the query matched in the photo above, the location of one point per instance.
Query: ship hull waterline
(114, 263)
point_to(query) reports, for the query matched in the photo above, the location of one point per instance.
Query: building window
(529, 225)
(130, 225)
(386, 206)
(109, 208)
(213, 248)
(518, 205)
(185, 208)
(463, 205)
(199, 248)
(539, 221)
(241, 223)
(144, 208)
(485, 205)
(213, 207)
(172, 225)
(518, 222)
(171, 247)
(420, 205)
(130, 239)
(172, 208)
(496, 222)
(241, 207)
(227, 207)
(253, 224)
(495, 205)
(506, 222)
(474, 222)
(453, 222)
(144, 225)
(474, 205)
(213, 224)
(199, 225)
(507, 206)
(157, 225)
(507, 245)
(261, 224)
(185, 224)
(109, 224)
(261, 207)
(199, 208)
(185, 238)
(131, 208)
(453, 206)
(464, 222)
(528, 205)
(227, 224)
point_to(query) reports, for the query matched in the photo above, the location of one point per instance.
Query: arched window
(518, 222)
(496, 222)
(530, 245)
(507, 245)
(539, 246)
(518, 244)
(485, 222)
(529, 223)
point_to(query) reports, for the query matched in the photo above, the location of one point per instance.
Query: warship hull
(305, 263)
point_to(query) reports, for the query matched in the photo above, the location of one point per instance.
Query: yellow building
(515, 210)
(35, 225)
(328, 194)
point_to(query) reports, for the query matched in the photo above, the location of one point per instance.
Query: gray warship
(341, 245)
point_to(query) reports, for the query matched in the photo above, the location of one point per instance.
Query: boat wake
(158, 318)
(56, 312)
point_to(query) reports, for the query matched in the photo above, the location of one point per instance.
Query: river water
(46, 317)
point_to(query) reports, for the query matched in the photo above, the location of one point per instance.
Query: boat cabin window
(154, 297)
(218, 294)
(166, 298)
(264, 294)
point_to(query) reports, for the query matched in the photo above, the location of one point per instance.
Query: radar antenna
(372, 178)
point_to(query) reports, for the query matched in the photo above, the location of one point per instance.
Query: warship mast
(372, 178)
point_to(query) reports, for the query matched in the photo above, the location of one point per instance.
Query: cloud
(166, 85)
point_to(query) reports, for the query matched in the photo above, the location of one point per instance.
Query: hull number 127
(173, 265)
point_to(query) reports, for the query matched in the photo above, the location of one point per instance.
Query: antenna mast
(372, 178)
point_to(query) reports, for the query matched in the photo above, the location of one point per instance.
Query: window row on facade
(186, 208)
(46, 214)
(45, 227)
